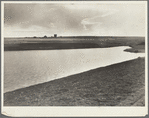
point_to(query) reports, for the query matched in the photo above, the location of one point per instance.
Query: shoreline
(136, 49)
(83, 89)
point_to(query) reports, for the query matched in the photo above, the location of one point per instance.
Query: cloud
(97, 20)
(111, 12)
(52, 17)
(89, 22)
(75, 19)
(63, 16)
(15, 13)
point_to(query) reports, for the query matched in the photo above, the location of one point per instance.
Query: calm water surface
(25, 68)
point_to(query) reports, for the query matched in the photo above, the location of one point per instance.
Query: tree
(45, 36)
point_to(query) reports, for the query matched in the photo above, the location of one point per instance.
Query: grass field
(16, 44)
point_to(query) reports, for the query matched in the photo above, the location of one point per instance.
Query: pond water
(26, 68)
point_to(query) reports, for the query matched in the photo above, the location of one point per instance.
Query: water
(25, 68)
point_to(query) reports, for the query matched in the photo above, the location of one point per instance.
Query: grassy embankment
(119, 84)
(115, 85)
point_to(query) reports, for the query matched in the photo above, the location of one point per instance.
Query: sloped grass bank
(107, 86)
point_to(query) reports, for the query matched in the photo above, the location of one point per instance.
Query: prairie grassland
(16, 44)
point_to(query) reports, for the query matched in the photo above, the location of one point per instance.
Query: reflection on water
(25, 68)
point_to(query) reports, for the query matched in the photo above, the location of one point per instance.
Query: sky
(74, 19)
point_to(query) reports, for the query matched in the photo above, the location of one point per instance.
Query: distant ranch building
(55, 35)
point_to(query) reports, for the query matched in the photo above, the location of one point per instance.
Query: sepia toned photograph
(74, 55)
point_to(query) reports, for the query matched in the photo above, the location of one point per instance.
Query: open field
(120, 84)
(16, 44)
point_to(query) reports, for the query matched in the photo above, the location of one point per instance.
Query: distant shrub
(45, 36)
